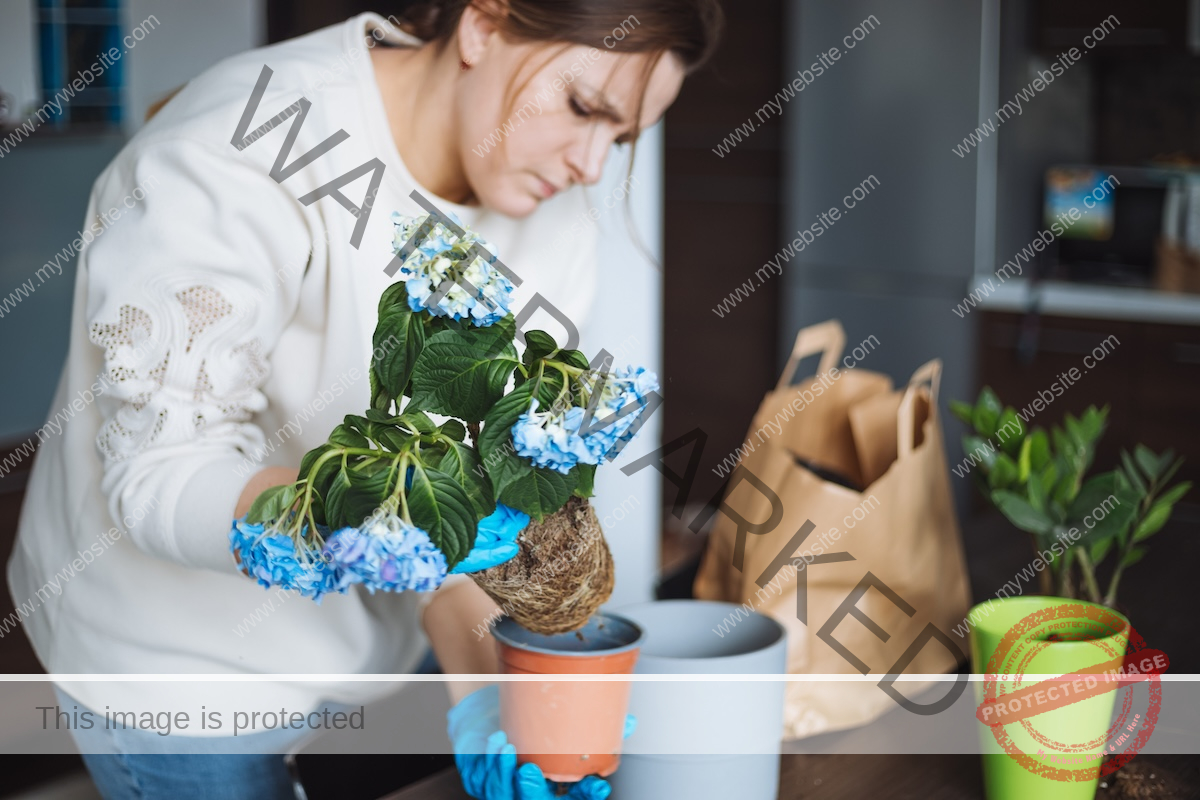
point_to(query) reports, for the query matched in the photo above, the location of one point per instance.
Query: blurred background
(911, 116)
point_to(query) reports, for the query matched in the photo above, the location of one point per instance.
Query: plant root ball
(561, 575)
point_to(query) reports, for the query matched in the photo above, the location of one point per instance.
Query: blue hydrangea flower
(273, 559)
(434, 262)
(552, 439)
(627, 386)
(386, 553)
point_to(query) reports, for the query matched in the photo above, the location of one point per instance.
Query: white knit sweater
(220, 326)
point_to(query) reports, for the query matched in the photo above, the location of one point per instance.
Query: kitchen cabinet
(1149, 376)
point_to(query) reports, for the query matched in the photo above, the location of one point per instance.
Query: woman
(223, 319)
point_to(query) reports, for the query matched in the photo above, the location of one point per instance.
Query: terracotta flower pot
(569, 728)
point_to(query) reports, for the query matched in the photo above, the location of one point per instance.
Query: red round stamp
(1016, 709)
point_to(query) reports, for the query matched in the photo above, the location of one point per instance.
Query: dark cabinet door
(1166, 386)
(1037, 358)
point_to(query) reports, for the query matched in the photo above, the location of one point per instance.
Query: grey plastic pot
(704, 739)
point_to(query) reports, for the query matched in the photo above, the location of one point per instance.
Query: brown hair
(688, 28)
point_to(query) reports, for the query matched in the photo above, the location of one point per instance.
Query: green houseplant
(1039, 481)
(1078, 522)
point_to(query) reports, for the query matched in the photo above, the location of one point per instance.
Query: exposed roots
(561, 575)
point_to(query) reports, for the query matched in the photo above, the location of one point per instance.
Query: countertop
(1087, 300)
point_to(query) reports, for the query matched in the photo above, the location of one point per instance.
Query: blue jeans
(141, 765)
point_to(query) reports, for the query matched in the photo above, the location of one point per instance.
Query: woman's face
(559, 128)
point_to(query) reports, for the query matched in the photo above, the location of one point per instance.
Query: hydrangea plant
(394, 500)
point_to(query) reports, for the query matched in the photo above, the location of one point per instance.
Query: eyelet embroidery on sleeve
(182, 365)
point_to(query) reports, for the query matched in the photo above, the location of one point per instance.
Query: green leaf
(1099, 549)
(417, 420)
(496, 435)
(1039, 450)
(270, 505)
(964, 411)
(1132, 474)
(462, 463)
(502, 463)
(585, 485)
(458, 375)
(1048, 479)
(987, 413)
(1169, 473)
(1062, 443)
(1092, 424)
(311, 458)
(1022, 514)
(356, 493)
(1010, 432)
(1003, 474)
(454, 429)
(397, 344)
(1160, 512)
(539, 493)
(1175, 493)
(317, 507)
(394, 439)
(334, 494)
(1107, 503)
(538, 344)
(550, 387)
(1065, 490)
(1037, 495)
(503, 335)
(1147, 460)
(345, 436)
(1153, 522)
(380, 399)
(1133, 556)
(323, 479)
(1075, 431)
(982, 450)
(440, 506)
(394, 295)
(1024, 463)
(574, 358)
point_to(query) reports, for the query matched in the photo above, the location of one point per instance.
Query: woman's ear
(477, 28)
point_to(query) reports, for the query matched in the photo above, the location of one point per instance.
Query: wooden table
(879, 777)
(803, 777)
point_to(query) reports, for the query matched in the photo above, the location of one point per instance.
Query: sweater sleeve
(185, 299)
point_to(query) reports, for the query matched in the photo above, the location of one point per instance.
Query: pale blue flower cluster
(273, 559)
(627, 386)
(427, 267)
(552, 439)
(385, 553)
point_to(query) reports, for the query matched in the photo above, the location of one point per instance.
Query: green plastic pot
(1040, 758)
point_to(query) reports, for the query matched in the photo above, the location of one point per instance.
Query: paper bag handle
(827, 338)
(928, 374)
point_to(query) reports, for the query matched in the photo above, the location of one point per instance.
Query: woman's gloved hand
(487, 761)
(495, 540)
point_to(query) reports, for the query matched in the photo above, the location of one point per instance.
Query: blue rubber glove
(487, 761)
(495, 540)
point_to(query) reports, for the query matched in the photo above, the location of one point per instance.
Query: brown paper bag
(880, 566)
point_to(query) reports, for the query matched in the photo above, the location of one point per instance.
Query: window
(74, 37)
